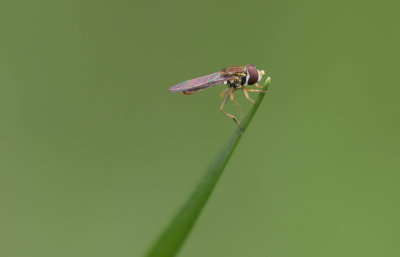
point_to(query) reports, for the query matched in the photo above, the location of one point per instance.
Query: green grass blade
(177, 231)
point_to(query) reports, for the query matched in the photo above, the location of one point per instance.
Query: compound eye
(253, 74)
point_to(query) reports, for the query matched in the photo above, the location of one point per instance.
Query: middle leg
(247, 94)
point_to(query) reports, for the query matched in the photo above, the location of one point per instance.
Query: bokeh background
(96, 155)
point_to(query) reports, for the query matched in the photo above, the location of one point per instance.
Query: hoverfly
(235, 77)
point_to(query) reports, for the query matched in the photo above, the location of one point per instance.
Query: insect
(235, 77)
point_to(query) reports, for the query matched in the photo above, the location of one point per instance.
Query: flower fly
(235, 77)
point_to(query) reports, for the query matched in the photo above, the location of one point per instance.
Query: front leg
(258, 86)
(256, 90)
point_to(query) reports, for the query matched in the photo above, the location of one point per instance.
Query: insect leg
(255, 90)
(258, 86)
(224, 92)
(236, 103)
(247, 95)
(230, 115)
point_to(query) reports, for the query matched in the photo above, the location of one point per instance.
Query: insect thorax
(237, 82)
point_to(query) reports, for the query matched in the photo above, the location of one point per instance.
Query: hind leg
(228, 114)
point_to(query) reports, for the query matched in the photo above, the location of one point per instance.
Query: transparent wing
(200, 83)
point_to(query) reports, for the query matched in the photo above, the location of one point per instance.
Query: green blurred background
(96, 155)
